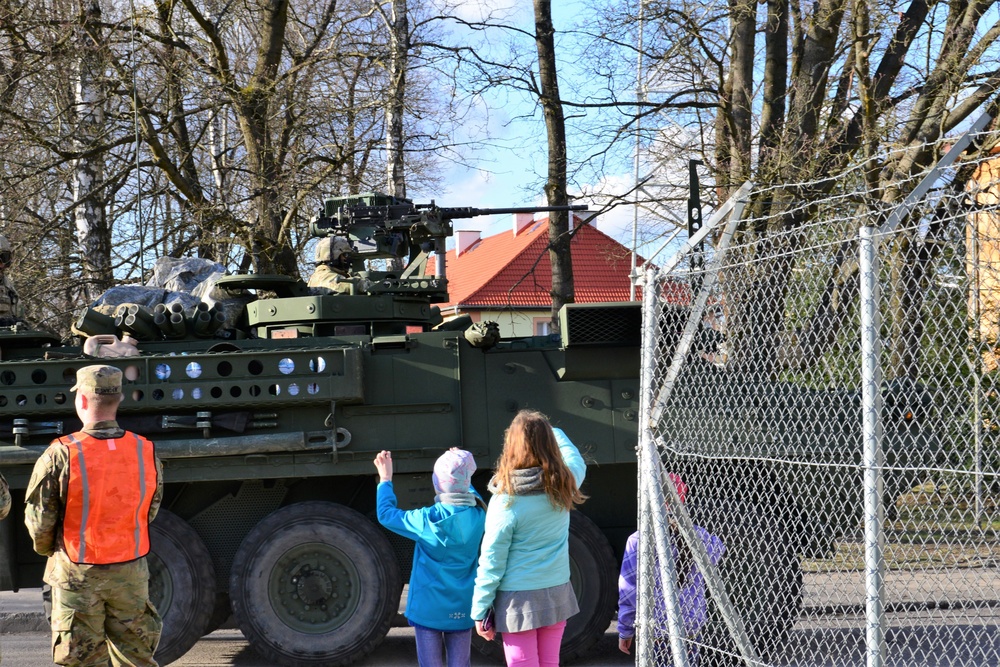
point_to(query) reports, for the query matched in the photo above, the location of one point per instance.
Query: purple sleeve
(627, 587)
(714, 546)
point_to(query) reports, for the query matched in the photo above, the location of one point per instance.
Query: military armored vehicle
(267, 430)
(267, 426)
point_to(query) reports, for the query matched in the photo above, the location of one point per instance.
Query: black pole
(694, 223)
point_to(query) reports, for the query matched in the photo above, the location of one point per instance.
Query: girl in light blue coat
(447, 537)
(524, 565)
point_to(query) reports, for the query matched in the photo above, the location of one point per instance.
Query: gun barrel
(340, 219)
(471, 212)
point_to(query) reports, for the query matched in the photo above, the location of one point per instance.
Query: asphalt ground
(934, 618)
(24, 642)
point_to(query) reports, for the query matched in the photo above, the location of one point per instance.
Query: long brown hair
(530, 443)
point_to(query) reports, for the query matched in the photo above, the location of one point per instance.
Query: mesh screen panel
(616, 324)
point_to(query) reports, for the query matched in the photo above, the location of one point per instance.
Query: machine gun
(380, 226)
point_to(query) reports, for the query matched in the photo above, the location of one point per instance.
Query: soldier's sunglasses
(5, 256)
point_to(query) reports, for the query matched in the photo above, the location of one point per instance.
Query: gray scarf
(465, 499)
(526, 482)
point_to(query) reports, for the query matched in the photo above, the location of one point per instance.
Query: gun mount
(384, 227)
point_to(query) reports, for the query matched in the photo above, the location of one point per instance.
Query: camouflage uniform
(8, 298)
(333, 259)
(4, 498)
(328, 278)
(8, 295)
(98, 611)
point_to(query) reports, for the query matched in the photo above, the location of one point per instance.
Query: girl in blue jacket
(524, 565)
(447, 536)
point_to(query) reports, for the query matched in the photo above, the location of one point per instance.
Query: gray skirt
(519, 611)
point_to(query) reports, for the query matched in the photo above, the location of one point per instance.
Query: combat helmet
(330, 248)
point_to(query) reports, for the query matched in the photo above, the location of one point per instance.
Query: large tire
(181, 584)
(314, 583)
(221, 612)
(594, 576)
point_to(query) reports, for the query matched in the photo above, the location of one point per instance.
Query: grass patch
(929, 529)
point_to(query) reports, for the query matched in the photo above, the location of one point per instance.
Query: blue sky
(509, 174)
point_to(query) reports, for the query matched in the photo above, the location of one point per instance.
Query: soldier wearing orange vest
(89, 503)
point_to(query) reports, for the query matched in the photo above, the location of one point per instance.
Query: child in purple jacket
(691, 587)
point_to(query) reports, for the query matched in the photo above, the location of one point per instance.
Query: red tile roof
(505, 270)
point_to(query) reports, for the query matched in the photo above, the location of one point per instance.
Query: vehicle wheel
(763, 575)
(594, 575)
(221, 612)
(314, 583)
(181, 584)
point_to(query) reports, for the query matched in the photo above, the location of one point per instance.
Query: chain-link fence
(826, 401)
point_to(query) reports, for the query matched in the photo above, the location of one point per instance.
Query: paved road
(24, 640)
(228, 648)
(936, 620)
(922, 641)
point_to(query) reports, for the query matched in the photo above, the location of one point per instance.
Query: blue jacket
(444, 559)
(526, 545)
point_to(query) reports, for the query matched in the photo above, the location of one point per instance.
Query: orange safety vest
(111, 486)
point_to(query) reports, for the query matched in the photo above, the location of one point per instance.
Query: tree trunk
(744, 24)
(271, 253)
(92, 229)
(399, 45)
(175, 98)
(555, 185)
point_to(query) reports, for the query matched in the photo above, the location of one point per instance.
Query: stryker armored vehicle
(268, 429)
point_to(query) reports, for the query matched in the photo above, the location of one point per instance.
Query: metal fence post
(667, 568)
(871, 383)
(645, 615)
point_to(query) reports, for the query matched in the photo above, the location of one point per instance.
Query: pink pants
(534, 648)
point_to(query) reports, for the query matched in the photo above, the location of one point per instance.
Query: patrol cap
(99, 379)
(330, 248)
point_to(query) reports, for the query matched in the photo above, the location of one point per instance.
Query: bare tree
(90, 215)
(836, 85)
(208, 130)
(397, 22)
(555, 184)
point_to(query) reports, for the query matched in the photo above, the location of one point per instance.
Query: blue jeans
(434, 645)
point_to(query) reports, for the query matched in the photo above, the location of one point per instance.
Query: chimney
(583, 218)
(522, 221)
(465, 239)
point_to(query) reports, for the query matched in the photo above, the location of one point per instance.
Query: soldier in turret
(333, 266)
(8, 295)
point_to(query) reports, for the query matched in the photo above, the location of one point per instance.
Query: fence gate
(821, 429)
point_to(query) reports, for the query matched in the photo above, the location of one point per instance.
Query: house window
(543, 327)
